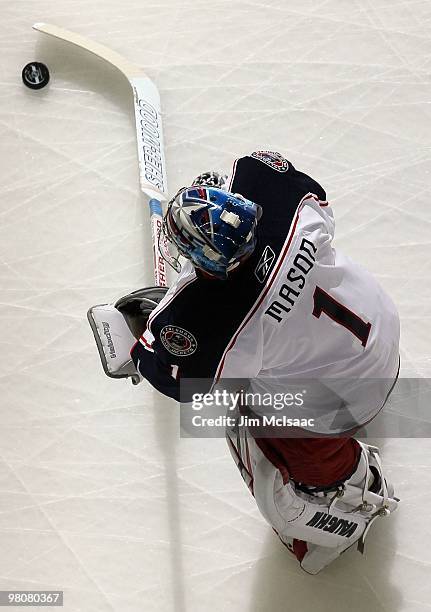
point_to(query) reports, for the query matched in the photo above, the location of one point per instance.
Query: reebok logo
(265, 264)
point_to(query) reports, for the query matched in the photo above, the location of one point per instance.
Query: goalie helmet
(214, 229)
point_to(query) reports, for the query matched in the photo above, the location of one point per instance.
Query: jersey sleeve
(188, 333)
(159, 353)
(159, 373)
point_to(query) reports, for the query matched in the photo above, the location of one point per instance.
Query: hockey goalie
(263, 296)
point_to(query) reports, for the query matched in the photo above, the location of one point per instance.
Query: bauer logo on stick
(178, 341)
(272, 159)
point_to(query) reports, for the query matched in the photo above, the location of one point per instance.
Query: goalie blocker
(117, 327)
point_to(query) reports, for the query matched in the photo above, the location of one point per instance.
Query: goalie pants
(312, 461)
(305, 459)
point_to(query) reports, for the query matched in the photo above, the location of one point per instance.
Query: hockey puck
(35, 75)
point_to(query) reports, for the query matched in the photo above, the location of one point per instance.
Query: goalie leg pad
(366, 493)
(327, 523)
(294, 514)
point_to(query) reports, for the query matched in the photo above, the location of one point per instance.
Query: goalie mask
(214, 229)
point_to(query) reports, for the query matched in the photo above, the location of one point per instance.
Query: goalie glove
(211, 179)
(137, 306)
(116, 327)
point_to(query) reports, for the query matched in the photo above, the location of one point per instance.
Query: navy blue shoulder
(269, 179)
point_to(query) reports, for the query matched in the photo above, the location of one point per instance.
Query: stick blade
(128, 69)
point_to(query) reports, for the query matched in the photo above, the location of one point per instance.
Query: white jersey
(298, 309)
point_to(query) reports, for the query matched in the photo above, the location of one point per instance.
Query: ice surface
(98, 496)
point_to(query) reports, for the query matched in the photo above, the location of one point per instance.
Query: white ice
(98, 495)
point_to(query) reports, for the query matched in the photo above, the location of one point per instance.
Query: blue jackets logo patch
(178, 341)
(272, 159)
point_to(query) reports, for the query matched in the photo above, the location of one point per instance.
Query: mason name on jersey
(295, 280)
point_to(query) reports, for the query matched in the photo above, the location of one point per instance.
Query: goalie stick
(149, 134)
(152, 175)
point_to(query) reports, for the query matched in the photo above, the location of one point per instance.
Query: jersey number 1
(323, 302)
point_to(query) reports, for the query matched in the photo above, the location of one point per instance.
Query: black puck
(35, 75)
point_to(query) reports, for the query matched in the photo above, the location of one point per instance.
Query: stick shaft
(156, 220)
